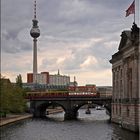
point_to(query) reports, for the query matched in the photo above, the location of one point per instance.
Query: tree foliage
(5, 93)
(11, 97)
(19, 81)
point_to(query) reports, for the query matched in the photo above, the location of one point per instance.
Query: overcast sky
(78, 37)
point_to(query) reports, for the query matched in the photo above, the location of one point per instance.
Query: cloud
(90, 61)
(102, 77)
(77, 36)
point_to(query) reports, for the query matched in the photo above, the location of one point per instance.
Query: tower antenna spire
(35, 9)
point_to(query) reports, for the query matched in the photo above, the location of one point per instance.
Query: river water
(94, 126)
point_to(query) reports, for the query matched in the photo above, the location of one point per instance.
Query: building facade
(41, 78)
(59, 80)
(104, 91)
(125, 72)
(48, 79)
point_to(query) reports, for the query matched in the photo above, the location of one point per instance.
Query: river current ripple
(88, 127)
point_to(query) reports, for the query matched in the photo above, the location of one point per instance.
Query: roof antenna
(58, 72)
(35, 9)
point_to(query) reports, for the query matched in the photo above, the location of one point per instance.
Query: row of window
(118, 74)
(117, 110)
(118, 83)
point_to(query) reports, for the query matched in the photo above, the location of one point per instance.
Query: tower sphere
(35, 32)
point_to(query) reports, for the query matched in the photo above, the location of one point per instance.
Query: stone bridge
(70, 105)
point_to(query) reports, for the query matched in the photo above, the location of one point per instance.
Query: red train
(49, 94)
(72, 91)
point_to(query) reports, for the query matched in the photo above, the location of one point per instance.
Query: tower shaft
(35, 33)
(34, 60)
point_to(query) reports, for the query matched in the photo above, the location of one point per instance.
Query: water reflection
(88, 127)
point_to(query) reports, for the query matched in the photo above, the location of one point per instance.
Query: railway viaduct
(70, 104)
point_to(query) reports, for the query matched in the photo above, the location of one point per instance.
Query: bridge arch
(79, 105)
(40, 110)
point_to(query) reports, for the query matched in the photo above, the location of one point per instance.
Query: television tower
(35, 33)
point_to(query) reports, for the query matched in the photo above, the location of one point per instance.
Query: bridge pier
(70, 115)
(38, 113)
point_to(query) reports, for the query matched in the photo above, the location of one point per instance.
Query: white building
(41, 78)
(59, 80)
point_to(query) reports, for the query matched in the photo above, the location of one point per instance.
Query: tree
(12, 97)
(19, 80)
(17, 101)
(5, 94)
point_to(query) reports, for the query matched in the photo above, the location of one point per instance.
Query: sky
(78, 37)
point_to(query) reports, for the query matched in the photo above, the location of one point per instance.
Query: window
(130, 82)
(120, 110)
(121, 73)
(121, 86)
(116, 110)
(113, 108)
(128, 111)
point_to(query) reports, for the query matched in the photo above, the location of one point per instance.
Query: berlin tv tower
(35, 33)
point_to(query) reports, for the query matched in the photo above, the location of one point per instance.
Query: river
(94, 126)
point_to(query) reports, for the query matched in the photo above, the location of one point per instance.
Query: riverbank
(14, 118)
(53, 111)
